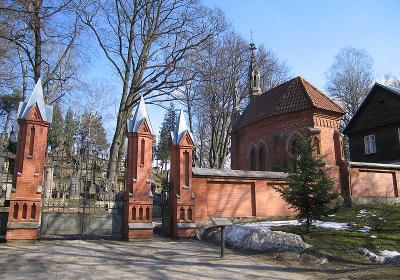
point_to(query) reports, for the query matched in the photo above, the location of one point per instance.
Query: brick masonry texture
(138, 204)
(25, 204)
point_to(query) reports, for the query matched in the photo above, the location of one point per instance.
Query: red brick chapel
(264, 135)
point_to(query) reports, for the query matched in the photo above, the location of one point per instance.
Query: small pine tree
(91, 132)
(162, 151)
(69, 131)
(309, 189)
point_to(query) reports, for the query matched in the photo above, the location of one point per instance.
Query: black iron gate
(166, 212)
(78, 200)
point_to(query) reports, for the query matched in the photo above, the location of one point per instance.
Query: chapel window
(316, 145)
(253, 161)
(262, 158)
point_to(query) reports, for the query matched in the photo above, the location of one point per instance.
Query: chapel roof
(294, 95)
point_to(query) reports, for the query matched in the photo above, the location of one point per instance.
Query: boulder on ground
(259, 238)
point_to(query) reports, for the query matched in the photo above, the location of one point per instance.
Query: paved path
(160, 258)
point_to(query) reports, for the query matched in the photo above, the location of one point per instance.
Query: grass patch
(340, 246)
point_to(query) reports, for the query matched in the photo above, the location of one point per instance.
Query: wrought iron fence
(6, 185)
(81, 183)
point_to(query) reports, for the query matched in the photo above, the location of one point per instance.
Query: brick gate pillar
(34, 118)
(138, 198)
(182, 198)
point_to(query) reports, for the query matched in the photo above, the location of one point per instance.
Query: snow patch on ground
(321, 224)
(383, 257)
(365, 229)
(390, 254)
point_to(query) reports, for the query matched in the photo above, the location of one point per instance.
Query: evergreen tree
(8, 106)
(310, 189)
(56, 131)
(162, 151)
(92, 133)
(69, 131)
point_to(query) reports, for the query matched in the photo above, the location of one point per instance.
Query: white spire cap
(36, 98)
(180, 129)
(139, 117)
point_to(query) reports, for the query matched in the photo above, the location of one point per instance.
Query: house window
(369, 144)
(253, 162)
(398, 134)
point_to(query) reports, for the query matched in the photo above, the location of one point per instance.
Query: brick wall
(371, 180)
(223, 196)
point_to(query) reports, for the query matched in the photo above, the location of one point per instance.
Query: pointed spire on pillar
(180, 129)
(36, 98)
(140, 116)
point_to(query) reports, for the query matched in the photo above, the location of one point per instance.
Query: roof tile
(294, 95)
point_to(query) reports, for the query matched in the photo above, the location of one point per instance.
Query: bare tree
(391, 80)
(44, 34)
(146, 41)
(221, 83)
(350, 78)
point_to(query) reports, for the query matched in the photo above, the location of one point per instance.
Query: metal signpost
(221, 223)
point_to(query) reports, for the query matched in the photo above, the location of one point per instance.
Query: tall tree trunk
(118, 139)
(38, 39)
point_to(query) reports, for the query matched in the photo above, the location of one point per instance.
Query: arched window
(31, 141)
(181, 214)
(316, 145)
(255, 80)
(33, 211)
(141, 214)
(187, 168)
(253, 160)
(190, 214)
(142, 150)
(24, 211)
(262, 159)
(147, 213)
(16, 210)
(134, 214)
(294, 150)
